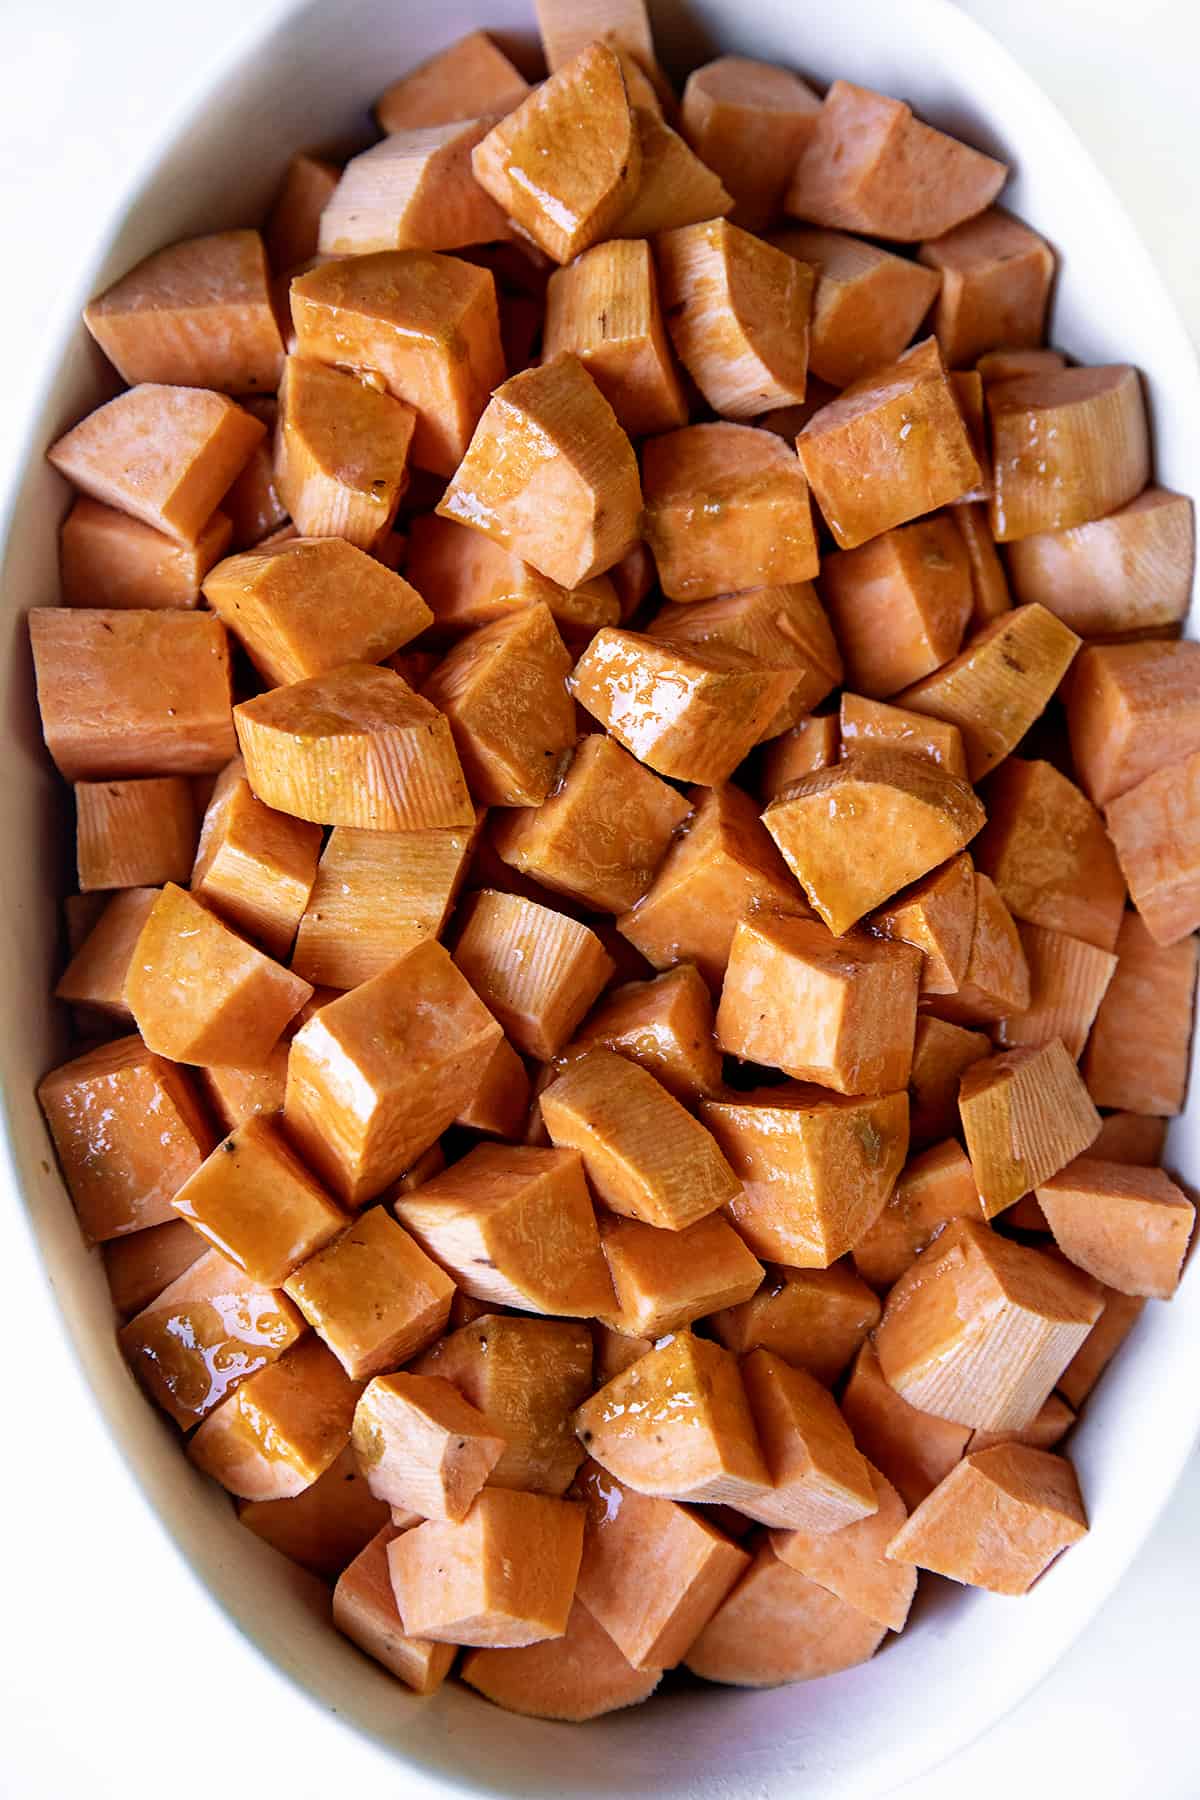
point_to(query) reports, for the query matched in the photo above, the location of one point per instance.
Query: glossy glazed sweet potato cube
(108, 559)
(514, 1225)
(140, 1265)
(281, 1429)
(721, 701)
(470, 77)
(837, 1011)
(727, 507)
(422, 1446)
(819, 1481)
(604, 308)
(208, 1331)
(815, 1319)
(234, 1095)
(811, 744)
(132, 693)
(997, 1521)
(784, 627)
(913, 1449)
(413, 191)
(364, 1609)
(1131, 571)
(1067, 982)
(134, 833)
(580, 1675)
(899, 604)
(850, 1562)
(341, 453)
(200, 993)
(870, 166)
(254, 866)
(978, 1329)
(996, 276)
(1121, 1313)
(995, 983)
(163, 454)
(937, 917)
(644, 1155)
(1128, 1227)
(1025, 1115)
(871, 724)
(816, 1168)
(866, 305)
(1137, 1055)
(526, 1376)
(503, 1576)
(372, 1295)
(470, 581)
(535, 969)
(377, 1075)
(129, 1130)
(675, 189)
(929, 464)
(934, 1187)
(1068, 445)
(665, 1280)
(354, 747)
(778, 1626)
(427, 324)
(1132, 709)
(666, 1025)
(748, 121)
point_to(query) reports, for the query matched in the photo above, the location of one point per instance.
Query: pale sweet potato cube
(281, 1429)
(816, 1168)
(850, 1561)
(255, 1202)
(470, 581)
(737, 310)
(604, 308)
(867, 303)
(326, 1526)
(1127, 1226)
(200, 993)
(163, 454)
(1045, 848)
(414, 191)
(978, 1329)
(643, 1153)
(140, 1265)
(1054, 1419)
(341, 453)
(1132, 709)
(785, 627)
(580, 1675)
(819, 1481)
(377, 1075)
(375, 895)
(749, 121)
(996, 982)
(601, 834)
(722, 866)
(1025, 1115)
(132, 693)
(422, 1446)
(503, 1576)
(941, 1051)
(503, 689)
(1067, 982)
(290, 233)
(727, 507)
(472, 76)
(778, 1626)
(665, 1280)
(1127, 1137)
(997, 1521)
(996, 276)
(426, 324)
(305, 607)
(134, 833)
(108, 559)
(839, 1011)
(235, 1095)
(811, 744)
(208, 1331)
(914, 1450)
(677, 1424)
(722, 700)
(1131, 571)
(129, 1130)
(653, 1572)
(1137, 1055)
(937, 917)
(570, 504)
(566, 163)
(870, 166)
(675, 189)
(372, 1295)
(354, 747)
(911, 408)
(935, 1187)
(899, 605)
(856, 833)
(254, 866)
(197, 314)
(1068, 445)
(364, 1609)
(1121, 1313)
(989, 584)
(666, 1025)
(526, 1376)
(869, 724)
(815, 1319)
(535, 969)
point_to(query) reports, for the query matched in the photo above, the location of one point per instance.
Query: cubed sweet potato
(666, 1025)
(421, 1446)
(749, 120)
(851, 1563)
(899, 604)
(1137, 1055)
(372, 1295)
(783, 626)
(779, 1626)
(1068, 445)
(867, 303)
(604, 307)
(996, 276)
(470, 77)
(281, 1429)
(1025, 1115)
(1127, 1226)
(254, 866)
(579, 1675)
(913, 1449)
(935, 1187)
(1131, 571)
(815, 1319)
(1132, 709)
(108, 559)
(415, 190)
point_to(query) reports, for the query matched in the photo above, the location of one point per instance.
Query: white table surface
(112, 1679)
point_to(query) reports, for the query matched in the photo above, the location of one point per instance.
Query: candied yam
(941, 1052)
(414, 191)
(580, 1675)
(996, 276)
(937, 917)
(908, 409)
(163, 454)
(290, 233)
(815, 1319)
(1131, 571)
(281, 1429)
(566, 163)
(818, 1479)
(1121, 1313)
(867, 303)
(426, 325)
(421, 1446)
(535, 969)
(851, 1563)
(372, 1295)
(1068, 445)
(341, 456)
(667, 1279)
(666, 1025)
(132, 693)
(935, 1187)
(378, 1074)
(569, 500)
(811, 744)
(737, 310)
(470, 77)
(1137, 1055)
(643, 1153)
(989, 583)
(364, 1609)
(604, 308)
(140, 1265)
(1025, 1115)
(129, 1130)
(727, 507)
(995, 982)
(1127, 1226)
(354, 747)
(899, 605)
(1132, 709)
(749, 121)
(134, 833)
(1067, 981)
(778, 1626)
(914, 1450)
(784, 627)
(866, 723)
(816, 1168)
(997, 1521)
(107, 559)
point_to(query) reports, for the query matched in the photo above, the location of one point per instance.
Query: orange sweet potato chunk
(372, 1295)
(811, 744)
(665, 1280)
(324, 1528)
(748, 121)
(937, 917)
(778, 1626)
(1025, 1115)
(1121, 1313)
(1132, 709)
(784, 627)
(996, 276)
(235, 1095)
(1067, 982)
(604, 308)
(989, 583)
(899, 604)
(535, 969)
(819, 1481)
(471, 77)
(500, 1104)
(108, 559)
(914, 1450)
(470, 581)
(675, 189)
(1137, 1055)
(140, 1265)
(421, 1446)
(1068, 445)
(1054, 1419)
(1127, 1226)
(941, 1051)
(815, 1319)
(867, 303)
(413, 191)
(1131, 571)
(163, 454)
(1127, 1137)
(197, 314)
(866, 724)
(364, 1609)
(565, 29)
(580, 1675)
(341, 453)
(666, 1025)
(932, 1189)
(134, 833)
(290, 232)
(851, 1562)
(281, 1429)
(995, 983)
(254, 867)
